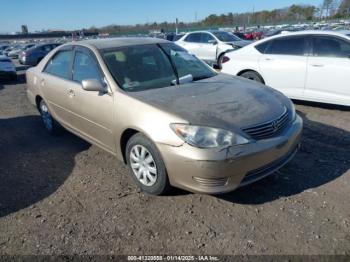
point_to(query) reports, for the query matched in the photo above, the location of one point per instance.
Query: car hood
(222, 101)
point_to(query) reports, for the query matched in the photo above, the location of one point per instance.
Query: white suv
(307, 65)
(211, 46)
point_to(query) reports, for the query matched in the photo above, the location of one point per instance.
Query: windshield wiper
(183, 80)
(197, 78)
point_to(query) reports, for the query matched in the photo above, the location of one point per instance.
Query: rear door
(55, 81)
(283, 65)
(329, 70)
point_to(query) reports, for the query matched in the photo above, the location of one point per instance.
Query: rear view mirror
(212, 41)
(93, 85)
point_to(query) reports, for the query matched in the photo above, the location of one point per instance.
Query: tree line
(329, 9)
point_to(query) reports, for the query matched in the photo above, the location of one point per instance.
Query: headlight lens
(293, 113)
(207, 137)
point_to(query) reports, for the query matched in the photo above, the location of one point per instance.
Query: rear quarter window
(262, 47)
(287, 46)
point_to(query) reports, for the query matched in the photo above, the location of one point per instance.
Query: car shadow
(322, 105)
(33, 164)
(323, 157)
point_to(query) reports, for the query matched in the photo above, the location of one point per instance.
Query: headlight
(207, 137)
(293, 113)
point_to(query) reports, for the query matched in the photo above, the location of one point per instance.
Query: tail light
(225, 59)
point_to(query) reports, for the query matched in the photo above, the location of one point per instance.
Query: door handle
(71, 93)
(269, 59)
(317, 65)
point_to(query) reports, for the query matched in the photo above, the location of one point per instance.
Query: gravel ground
(61, 195)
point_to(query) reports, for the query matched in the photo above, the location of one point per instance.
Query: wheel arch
(38, 99)
(124, 138)
(251, 70)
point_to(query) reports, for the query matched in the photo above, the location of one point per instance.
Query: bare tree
(329, 7)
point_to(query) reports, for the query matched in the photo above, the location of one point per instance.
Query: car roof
(207, 31)
(305, 32)
(311, 32)
(120, 42)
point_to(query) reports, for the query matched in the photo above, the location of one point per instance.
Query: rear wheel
(251, 75)
(146, 165)
(50, 124)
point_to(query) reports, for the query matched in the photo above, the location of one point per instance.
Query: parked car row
(28, 54)
(7, 68)
(34, 55)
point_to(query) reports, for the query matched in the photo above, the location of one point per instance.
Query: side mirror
(93, 85)
(213, 42)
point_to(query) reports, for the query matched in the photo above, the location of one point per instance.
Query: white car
(211, 46)
(7, 68)
(307, 65)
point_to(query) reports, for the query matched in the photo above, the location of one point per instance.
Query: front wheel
(50, 124)
(146, 165)
(251, 75)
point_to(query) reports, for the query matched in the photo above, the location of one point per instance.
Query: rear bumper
(8, 74)
(213, 172)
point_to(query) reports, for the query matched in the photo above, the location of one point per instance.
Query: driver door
(92, 110)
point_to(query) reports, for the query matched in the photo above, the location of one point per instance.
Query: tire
(153, 178)
(50, 124)
(251, 75)
(219, 62)
(14, 78)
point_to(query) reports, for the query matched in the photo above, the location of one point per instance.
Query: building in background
(24, 29)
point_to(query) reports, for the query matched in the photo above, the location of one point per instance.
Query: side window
(85, 68)
(330, 47)
(287, 46)
(262, 47)
(59, 65)
(193, 38)
(206, 38)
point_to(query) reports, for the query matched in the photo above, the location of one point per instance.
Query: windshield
(186, 63)
(226, 37)
(137, 68)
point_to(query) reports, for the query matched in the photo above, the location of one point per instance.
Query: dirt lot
(63, 196)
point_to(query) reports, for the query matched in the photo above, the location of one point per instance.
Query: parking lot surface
(61, 195)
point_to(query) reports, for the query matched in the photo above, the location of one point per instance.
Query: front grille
(268, 129)
(207, 182)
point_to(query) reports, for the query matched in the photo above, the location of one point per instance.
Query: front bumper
(212, 171)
